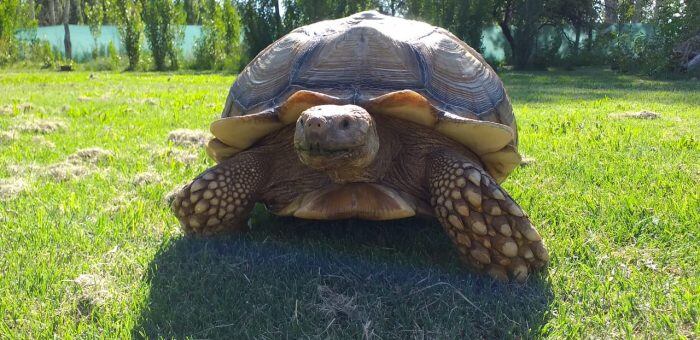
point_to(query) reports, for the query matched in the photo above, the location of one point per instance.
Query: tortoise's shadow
(293, 278)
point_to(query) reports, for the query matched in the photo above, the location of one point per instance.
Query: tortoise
(370, 117)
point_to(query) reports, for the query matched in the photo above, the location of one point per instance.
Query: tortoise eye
(301, 122)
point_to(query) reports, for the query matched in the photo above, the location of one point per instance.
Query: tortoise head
(334, 138)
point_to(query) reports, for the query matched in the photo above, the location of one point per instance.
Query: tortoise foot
(220, 199)
(492, 233)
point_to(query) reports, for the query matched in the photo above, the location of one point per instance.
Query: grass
(88, 247)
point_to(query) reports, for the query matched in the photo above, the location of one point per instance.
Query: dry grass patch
(89, 291)
(187, 156)
(41, 141)
(525, 161)
(6, 110)
(119, 203)
(188, 137)
(78, 165)
(42, 126)
(146, 178)
(8, 136)
(11, 188)
(336, 305)
(149, 101)
(637, 115)
(92, 155)
(65, 171)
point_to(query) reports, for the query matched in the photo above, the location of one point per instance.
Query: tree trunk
(66, 29)
(32, 5)
(78, 12)
(504, 23)
(577, 40)
(505, 28)
(611, 16)
(52, 12)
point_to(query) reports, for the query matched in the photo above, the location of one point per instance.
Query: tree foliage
(94, 14)
(164, 22)
(219, 46)
(14, 15)
(539, 33)
(127, 14)
(261, 24)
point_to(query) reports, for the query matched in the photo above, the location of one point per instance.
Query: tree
(520, 21)
(164, 28)
(579, 14)
(14, 15)
(127, 14)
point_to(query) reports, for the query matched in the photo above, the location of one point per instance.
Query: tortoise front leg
(221, 198)
(490, 230)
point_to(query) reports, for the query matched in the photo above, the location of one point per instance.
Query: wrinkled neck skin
(400, 162)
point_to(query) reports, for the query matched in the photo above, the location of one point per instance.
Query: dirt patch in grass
(146, 178)
(42, 126)
(11, 188)
(188, 137)
(637, 115)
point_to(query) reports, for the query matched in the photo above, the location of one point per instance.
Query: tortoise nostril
(345, 123)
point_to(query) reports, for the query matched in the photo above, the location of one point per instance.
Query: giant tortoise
(370, 117)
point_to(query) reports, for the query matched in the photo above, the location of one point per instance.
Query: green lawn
(88, 247)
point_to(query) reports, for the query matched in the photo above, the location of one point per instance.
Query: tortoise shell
(404, 68)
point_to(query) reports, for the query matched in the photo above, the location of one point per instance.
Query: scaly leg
(221, 198)
(491, 231)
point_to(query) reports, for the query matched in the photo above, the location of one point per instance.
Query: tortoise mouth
(316, 149)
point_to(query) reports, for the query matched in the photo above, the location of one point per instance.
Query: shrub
(113, 55)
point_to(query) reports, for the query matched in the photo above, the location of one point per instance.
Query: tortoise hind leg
(221, 198)
(490, 230)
